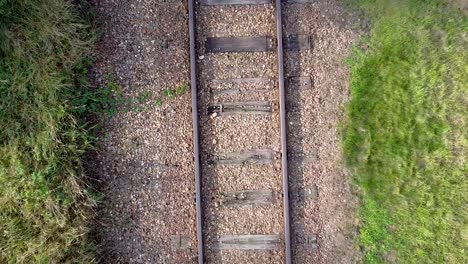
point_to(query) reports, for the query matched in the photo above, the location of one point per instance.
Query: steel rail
(196, 144)
(284, 151)
(196, 139)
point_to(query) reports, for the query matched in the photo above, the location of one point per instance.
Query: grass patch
(108, 100)
(406, 136)
(45, 207)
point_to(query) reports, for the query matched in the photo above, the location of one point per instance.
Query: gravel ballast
(328, 215)
(238, 132)
(145, 167)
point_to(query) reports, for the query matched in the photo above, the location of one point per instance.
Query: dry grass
(45, 207)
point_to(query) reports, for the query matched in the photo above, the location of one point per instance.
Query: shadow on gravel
(209, 180)
(301, 241)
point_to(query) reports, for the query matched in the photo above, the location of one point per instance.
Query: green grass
(45, 207)
(108, 100)
(406, 135)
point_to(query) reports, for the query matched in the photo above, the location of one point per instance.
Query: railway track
(241, 103)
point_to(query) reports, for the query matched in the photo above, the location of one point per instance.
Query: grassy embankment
(45, 208)
(406, 137)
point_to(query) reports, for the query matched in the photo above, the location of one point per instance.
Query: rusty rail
(284, 150)
(196, 144)
(196, 138)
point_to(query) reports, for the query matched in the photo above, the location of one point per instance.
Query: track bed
(245, 106)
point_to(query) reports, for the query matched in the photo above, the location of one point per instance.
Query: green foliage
(181, 89)
(406, 135)
(45, 208)
(173, 93)
(158, 102)
(169, 94)
(109, 99)
(99, 101)
(144, 97)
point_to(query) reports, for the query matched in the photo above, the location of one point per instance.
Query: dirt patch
(460, 4)
(145, 167)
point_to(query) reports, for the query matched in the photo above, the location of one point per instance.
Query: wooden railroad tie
(240, 44)
(235, 2)
(256, 43)
(180, 242)
(306, 193)
(253, 107)
(301, 157)
(248, 157)
(307, 241)
(248, 198)
(242, 80)
(293, 107)
(299, 1)
(299, 83)
(298, 42)
(247, 242)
